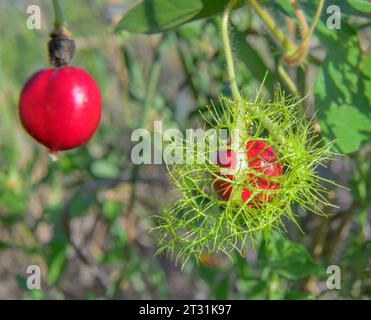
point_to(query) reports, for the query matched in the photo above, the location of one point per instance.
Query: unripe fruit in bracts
(264, 167)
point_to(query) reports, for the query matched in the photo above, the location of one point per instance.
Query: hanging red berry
(60, 108)
(263, 169)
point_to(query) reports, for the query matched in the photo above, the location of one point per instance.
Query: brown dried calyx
(61, 47)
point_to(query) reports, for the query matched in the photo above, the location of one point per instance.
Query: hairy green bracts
(200, 221)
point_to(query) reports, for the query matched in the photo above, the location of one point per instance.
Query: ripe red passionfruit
(262, 159)
(60, 108)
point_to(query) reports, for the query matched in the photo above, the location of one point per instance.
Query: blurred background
(84, 220)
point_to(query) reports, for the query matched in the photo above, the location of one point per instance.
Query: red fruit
(60, 108)
(262, 158)
(226, 159)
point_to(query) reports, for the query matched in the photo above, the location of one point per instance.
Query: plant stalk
(59, 16)
(273, 27)
(287, 79)
(61, 45)
(239, 123)
(228, 51)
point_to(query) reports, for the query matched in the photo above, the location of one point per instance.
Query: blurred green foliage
(84, 220)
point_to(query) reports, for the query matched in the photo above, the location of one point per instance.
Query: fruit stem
(61, 46)
(228, 50)
(53, 156)
(239, 124)
(59, 16)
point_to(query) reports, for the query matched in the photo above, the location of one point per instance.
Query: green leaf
(292, 261)
(112, 209)
(12, 192)
(3, 245)
(342, 89)
(213, 7)
(298, 295)
(104, 169)
(360, 5)
(222, 289)
(252, 288)
(56, 258)
(22, 282)
(243, 270)
(81, 203)
(153, 16)
(208, 274)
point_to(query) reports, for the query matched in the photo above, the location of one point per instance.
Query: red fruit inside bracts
(60, 108)
(262, 159)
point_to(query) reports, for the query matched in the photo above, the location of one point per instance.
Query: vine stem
(228, 51)
(287, 79)
(59, 16)
(273, 27)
